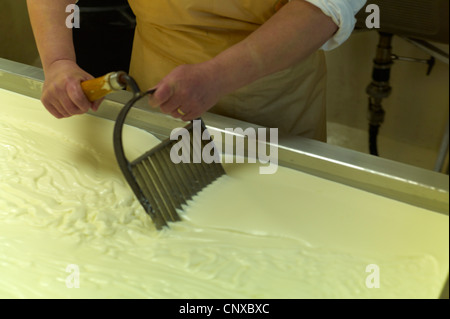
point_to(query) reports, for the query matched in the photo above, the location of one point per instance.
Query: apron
(174, 32)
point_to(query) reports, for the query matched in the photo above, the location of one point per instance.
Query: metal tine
(192, 174)
(151, 167)
(149, 190)
(211, 168)
(197, 176)
(147, 182)
(161, 188)
(208, 169)
(179, 178)
(152, 180)
(210, 139)
(193, 185)
(209, 174)
(220, 170)
(197, 167)
(164, 165)
(215, 168)
(185, 170)
(177, 181)
(165, 187)
(217, 165)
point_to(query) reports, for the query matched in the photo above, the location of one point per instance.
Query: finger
(54, 106)
(188, 117)
(68, 106)
(53, 110)
(170, 108)
(60, 109)
(77, 96)
(178, 113)
(56, 97)
(173, 104)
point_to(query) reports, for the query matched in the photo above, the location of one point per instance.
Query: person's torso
(174, 32)
(193, 31)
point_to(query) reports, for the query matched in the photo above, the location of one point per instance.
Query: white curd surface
(63, 201)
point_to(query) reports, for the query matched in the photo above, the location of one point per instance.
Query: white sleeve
(343, 14)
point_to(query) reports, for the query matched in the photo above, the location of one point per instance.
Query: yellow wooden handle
(96, 88)
(99, 87)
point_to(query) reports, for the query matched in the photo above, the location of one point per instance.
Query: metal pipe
(379, 88)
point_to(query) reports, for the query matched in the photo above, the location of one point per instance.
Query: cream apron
(174, 32)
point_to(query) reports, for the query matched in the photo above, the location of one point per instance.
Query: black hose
(373, 136)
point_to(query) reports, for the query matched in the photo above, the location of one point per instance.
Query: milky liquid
(68, 218)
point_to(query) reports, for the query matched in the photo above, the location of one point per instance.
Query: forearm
(62, 95)
(53, 38)
(288, 37)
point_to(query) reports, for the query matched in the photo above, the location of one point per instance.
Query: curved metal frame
(123, 162)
